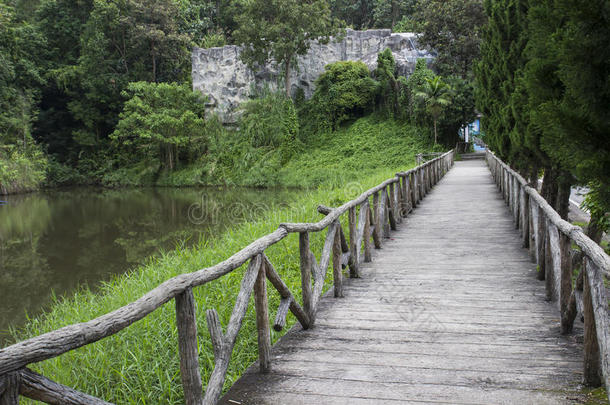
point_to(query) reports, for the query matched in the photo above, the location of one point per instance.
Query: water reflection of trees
(59, 240)
(22, 268)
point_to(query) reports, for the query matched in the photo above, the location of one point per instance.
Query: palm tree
(437, 95)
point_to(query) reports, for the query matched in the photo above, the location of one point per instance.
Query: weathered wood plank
(186, 323)
(217, 378)
(306, 267)
(70, 337)
(590, 248)
(377, 222)
(285, 293)
(525, 220)
(40, 388)
(337, 268)
(592, 366)
(413, 188)
(421, 324)
(362, 217)
(533, 223)
(549, 267)
(568, 310)
(262, 320)
(383, 215)
(391, 210)
(541, 245)
(11, 385)
(353, 243)
(367, 234)
(325, 255)
(595, 297)
(282, 312)
(215, 329)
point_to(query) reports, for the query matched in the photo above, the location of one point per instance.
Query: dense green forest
(98, 92)
(544, 91)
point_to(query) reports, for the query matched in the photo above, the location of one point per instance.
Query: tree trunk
(169, 157)
(435, 136)
(563, 196)
(287, 77)
(533, 180)
(395, 11)
(549, 186)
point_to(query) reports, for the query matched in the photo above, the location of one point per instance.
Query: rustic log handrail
(548, 238)
(367, 221)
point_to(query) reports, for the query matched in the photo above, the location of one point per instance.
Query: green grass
(140, 364)
(359, 150)
(595, 396)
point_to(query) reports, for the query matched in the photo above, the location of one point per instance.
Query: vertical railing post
(511, 185)
(367, 233)
(404, 207)
(591, 363)
(10, 395)
(420, 182)
(398, 201)
(378, 224)
(306, 264)
(262, 319)
(525, 218)
(390, 201)
(186, 323)
(422, 173)
(568, 311)
(549, 270)
(337, 271)
(532, 229)
(384, 214)
(413, 188)
(516, 201)
(541, 244)
(353, 249)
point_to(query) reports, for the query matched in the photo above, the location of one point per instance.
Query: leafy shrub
(59, 174)
(213, 40)
(269, 123)
(344, 91)
(21, 171)
(269, 120)
(408, 24)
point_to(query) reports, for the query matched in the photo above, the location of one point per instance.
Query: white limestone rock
(220, 74)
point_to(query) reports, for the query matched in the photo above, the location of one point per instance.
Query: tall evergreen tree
(569, 90)
(496, 77)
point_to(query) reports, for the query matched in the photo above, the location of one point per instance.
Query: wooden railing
(549, 239)
(391, 201)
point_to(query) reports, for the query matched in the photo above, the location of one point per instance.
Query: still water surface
(53, 242)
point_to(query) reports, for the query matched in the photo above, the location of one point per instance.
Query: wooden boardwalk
(449, 311)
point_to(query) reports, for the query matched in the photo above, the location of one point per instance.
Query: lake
(53, 242)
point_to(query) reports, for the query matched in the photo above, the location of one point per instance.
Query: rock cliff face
(220, 74)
